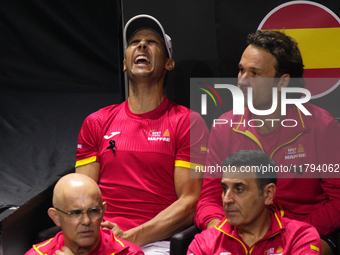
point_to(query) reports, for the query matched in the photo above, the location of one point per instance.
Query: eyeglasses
(93, 213)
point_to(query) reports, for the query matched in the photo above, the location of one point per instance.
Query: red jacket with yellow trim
(284, 237)
(307, 156)
(109, 245)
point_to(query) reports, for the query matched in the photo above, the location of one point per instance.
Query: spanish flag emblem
(317, 32)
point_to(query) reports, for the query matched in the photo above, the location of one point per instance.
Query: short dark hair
(254, 158)
(286, 51)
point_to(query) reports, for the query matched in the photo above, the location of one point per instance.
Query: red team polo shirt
(137, 179)
(109, 245)
(284, 237)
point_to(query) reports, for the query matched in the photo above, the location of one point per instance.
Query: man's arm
(174, 218)
(209, 210)
(306, 241)
(91, 170)
(326, 219)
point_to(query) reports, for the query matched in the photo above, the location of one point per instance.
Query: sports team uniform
(284, 237)
(137, 175)
(110, 244)
(303, 194)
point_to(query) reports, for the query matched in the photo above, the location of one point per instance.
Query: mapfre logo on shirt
(293, 152)
(155, 135)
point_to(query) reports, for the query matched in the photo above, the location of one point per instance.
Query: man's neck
(82, 251)
(270, 122)
(144, 98)
(78, 250)
(257, 230)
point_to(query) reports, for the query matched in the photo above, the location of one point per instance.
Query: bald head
(74, 186)
(78, 209)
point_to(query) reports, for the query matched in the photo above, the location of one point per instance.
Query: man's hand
(114, 227)
(66, 251)
(176, 217)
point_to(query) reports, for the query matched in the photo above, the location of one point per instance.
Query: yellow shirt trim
(86, 161)
(36, 248)
(119, 241)
(219, 228)
(314, 247)
(186, 164)
(251, 136)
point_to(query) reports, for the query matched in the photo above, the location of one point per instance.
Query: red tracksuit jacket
(304, 194)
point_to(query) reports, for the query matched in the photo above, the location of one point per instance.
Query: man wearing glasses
(78, 209)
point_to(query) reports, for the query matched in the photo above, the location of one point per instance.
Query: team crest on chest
(273, 251)
(156, 135)
(293, 152)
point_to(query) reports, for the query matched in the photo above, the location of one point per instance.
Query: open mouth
(142, 60)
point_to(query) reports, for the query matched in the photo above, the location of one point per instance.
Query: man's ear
(170, 64)
(104, 207)
(269, 193)
(124, 65)
(284, 81)
(52, 212)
